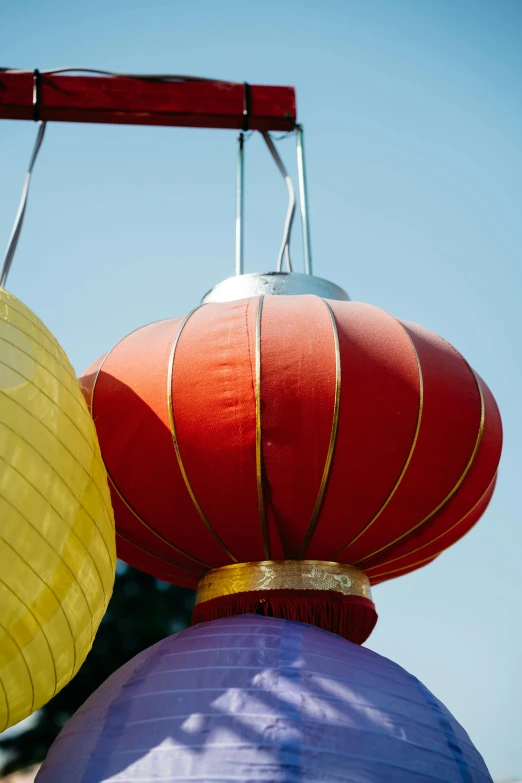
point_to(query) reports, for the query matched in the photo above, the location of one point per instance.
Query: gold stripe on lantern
(283, 575)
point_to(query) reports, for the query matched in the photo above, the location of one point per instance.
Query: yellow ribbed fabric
(57, 541)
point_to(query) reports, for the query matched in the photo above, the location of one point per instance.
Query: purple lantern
(253, 698)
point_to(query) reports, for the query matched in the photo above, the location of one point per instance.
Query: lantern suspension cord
(240, 205)
(19, 220)
(303, 200)
(285, 246)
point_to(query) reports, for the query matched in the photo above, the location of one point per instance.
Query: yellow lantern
(57, 541)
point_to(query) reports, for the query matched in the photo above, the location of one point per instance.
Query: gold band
(283, 575)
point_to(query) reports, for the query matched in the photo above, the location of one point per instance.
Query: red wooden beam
(128, 100)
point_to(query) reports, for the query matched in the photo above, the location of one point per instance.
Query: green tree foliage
(142, 611)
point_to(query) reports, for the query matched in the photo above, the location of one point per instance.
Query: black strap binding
(247, 106)
(37, 94)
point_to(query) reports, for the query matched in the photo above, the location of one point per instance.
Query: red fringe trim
(350, 616)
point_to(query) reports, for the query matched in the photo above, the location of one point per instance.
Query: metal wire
(283, 136)
(19, 220)
(145, 76)
(285, 246)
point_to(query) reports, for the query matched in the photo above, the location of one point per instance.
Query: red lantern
(291, 428)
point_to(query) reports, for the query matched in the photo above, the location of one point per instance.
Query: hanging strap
(19, 220)
(285, 245)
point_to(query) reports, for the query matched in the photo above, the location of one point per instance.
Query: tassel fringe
(350, 616)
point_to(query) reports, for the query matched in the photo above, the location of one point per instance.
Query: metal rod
(240, 205)
(285, 245)
(303, 201)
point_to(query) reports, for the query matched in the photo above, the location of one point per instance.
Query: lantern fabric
(57, 545)
(288, 428)
(252, 698)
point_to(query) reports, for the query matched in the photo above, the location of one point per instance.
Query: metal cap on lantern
(283, 448)
(273, 284)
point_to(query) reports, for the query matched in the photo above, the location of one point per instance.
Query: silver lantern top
(273, 283)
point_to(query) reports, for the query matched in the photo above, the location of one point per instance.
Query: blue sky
(413, 124)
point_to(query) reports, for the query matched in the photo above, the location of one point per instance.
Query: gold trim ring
(283, 575)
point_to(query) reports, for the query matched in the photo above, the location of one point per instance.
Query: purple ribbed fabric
(253, 698)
